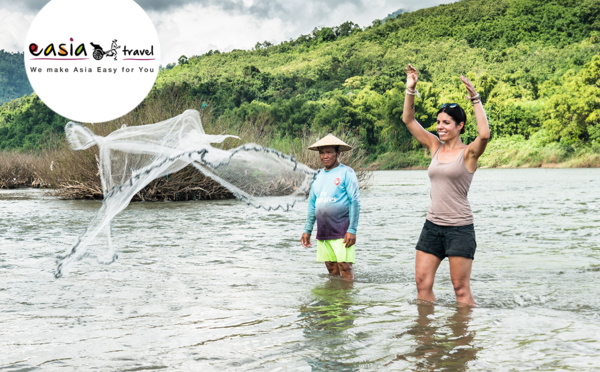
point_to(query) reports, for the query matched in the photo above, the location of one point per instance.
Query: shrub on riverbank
(415, 159)
(516, 151)
(507, 152)
(20, 170)
(74, 174)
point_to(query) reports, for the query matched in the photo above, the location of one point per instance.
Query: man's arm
(354, 208)
(310, 219)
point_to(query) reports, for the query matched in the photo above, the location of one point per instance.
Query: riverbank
(74, 175)
(19, 170)
(507, 152)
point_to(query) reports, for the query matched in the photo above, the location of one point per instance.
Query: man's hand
(305, 240)
(349, 239)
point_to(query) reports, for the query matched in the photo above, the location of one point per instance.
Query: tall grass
(416, 159)
(75, 175)
(517, 152)
(20, 170)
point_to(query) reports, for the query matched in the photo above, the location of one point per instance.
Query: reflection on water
(326, 321)
(444, 344)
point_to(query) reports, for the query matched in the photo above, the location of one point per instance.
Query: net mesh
(131, 157)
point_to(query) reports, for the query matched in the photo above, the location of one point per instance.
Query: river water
(221, 286)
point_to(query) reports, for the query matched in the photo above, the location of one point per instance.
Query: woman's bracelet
(476, 96)
(475, 101)
(413, 92)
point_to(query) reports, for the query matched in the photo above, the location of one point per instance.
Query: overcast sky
(193, 27)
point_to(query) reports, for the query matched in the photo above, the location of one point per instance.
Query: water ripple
(220, 286)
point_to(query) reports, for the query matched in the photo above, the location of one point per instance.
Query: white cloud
(196, 29)
(193, 27)
(14, 29)
(200, 26)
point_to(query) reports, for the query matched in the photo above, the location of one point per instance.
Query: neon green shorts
(334, 250)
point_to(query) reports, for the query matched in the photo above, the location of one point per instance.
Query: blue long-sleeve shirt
(334, 202)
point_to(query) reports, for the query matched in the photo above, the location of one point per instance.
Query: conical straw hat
(330, 140)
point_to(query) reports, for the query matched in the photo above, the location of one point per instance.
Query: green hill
(536, 64)
(13, 79)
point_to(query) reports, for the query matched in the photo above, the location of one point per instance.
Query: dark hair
(456, 112)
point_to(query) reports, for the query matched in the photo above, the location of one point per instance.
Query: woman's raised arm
(477, 147)
(428, 140)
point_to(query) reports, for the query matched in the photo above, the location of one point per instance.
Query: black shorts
(444, 241)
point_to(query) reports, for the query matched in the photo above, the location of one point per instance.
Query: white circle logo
(94, 60)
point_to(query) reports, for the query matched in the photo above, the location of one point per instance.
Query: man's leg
(346, 270)
(333, 268)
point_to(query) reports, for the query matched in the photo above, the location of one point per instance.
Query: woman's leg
(460, 273)
(426, 264)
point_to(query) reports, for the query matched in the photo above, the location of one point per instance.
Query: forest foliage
(13, 79)
(536, 64)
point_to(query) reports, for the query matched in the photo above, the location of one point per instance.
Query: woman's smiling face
(447, 127)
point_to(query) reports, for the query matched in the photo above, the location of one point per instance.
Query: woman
(448, 230)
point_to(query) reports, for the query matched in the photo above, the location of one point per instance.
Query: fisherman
(334, 203)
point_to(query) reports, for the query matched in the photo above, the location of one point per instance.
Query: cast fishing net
(132, 157)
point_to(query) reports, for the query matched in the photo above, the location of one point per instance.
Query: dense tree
(13, 79)
(29, 124)
(535, 63)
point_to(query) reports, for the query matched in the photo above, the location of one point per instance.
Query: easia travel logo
(70, 52)
(87, 70)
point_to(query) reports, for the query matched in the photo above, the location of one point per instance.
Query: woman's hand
(412, 76)
(470, 88)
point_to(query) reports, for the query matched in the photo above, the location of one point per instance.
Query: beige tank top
(450, 184)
